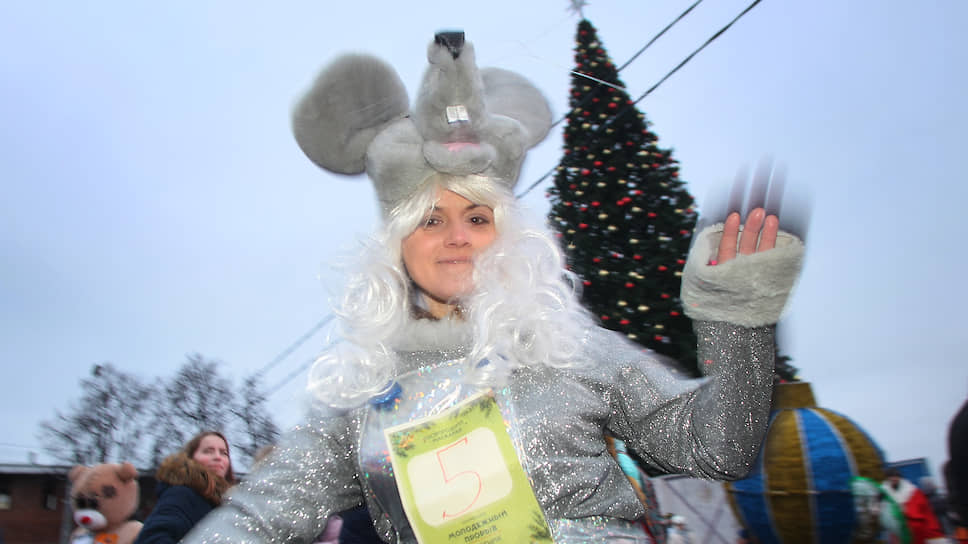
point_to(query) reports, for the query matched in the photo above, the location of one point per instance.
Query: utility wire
(659, 35)
(623, 66)
(693, 54)
(291, 376)
(21, 446)
(649, 91)
(292, 347)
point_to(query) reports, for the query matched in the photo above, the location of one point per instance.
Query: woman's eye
(431, 221)
(480, 220)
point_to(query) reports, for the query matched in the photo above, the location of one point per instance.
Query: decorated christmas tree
(625, 218)
(783, 371)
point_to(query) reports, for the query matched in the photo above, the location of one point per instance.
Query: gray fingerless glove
(750, 290)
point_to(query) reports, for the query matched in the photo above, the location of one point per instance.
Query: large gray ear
(354, 98)
(509, 94)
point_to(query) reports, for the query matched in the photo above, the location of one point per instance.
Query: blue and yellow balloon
(799, 491)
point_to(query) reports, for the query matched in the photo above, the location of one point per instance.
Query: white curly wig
(524, 308)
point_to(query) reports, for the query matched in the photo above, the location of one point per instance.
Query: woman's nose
(456, 235)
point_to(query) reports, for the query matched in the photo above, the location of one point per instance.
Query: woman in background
(190, 484)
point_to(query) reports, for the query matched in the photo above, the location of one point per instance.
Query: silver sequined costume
(709, 427)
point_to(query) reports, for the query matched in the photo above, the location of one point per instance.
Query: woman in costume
(469, 397)
(190, 484)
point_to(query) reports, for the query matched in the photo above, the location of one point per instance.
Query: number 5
(454, 450)
(459, 478)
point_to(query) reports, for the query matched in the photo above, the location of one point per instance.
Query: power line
(292, 347)
(291, 376)
(650, 90)
(635, 56)
(693, 54)
(21, 446)
(659, 35)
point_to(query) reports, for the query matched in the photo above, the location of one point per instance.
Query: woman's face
(213, 454)
(439, 255)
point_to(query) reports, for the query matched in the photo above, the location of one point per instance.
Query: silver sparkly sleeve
(713, 428)
(311, 474)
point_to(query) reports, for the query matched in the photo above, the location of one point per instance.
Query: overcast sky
(154, 203)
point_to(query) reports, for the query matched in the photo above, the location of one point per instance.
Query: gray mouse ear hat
(356, 117)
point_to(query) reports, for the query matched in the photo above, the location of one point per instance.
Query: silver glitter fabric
(709, 427)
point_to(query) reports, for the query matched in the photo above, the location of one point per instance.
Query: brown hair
(192, 446)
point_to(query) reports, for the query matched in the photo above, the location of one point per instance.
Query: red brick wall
(29, 521)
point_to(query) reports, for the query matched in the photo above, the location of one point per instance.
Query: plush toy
(104, 498)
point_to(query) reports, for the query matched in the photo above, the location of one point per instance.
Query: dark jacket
(186, 493)
(358, 528)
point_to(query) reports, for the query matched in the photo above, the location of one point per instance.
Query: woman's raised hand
(759, 234)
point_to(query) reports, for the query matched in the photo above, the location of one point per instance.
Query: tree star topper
(577, 7)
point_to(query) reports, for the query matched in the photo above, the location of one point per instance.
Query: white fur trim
(750, 290)
(902, 494)
(431, 334)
